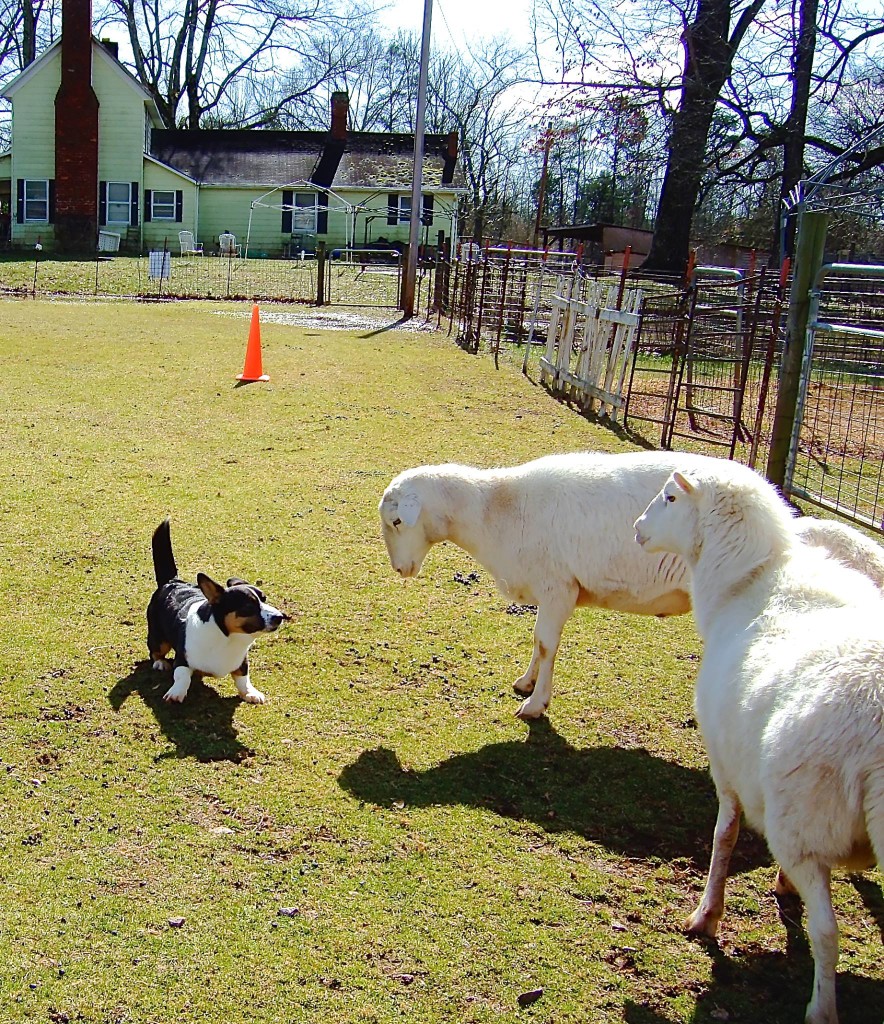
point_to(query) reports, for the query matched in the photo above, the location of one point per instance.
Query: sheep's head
(669, 522)
(403, 528)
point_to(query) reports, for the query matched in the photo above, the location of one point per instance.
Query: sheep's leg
(704, 920)
(784, 886)
(813, 883)
(551, 618)
(525, 683)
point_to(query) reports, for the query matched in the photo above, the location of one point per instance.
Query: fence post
(320, 273)
(440, 273)
(403, 263)
(809, 251)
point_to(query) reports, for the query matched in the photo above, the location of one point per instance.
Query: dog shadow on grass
(201, 727)
(628, 800)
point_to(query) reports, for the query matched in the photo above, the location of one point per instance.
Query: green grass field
(383, 840)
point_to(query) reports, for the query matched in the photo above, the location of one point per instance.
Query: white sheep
(553, 533)
(846, 544)
(789, 697)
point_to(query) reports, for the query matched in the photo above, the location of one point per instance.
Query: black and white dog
(210, 627)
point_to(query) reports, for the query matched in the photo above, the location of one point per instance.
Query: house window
(36, 201)
(162, 205)
(119, 198)
(304, 212)
(404, 209)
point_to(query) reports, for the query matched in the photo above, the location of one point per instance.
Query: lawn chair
(227, 245)
(188, 246)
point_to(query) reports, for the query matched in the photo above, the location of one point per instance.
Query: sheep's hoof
(528, 711)
(702, 924)
(524, 686)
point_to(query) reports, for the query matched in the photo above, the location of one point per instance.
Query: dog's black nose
(275, 621)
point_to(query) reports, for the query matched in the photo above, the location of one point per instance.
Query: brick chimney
(340, 105)
(76, 133)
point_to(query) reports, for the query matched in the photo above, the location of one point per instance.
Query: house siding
(33, 154)
(227, 209)
(159, 234)
(120, 138)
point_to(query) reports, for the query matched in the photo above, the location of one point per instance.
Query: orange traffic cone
(252, 369)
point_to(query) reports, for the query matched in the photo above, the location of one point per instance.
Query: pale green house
(120, 180)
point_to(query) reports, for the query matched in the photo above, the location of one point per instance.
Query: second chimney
(340, 105)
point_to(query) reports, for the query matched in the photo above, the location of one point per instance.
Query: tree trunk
(709, 52)
(28, 34)
(796, 125)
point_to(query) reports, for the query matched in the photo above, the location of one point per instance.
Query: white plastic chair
(227, 244)
(188, 246)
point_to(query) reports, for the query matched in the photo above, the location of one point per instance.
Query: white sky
(455, 22)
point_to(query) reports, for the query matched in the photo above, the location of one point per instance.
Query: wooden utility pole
(416, 218)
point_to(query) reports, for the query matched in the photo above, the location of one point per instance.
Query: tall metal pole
(414, 224)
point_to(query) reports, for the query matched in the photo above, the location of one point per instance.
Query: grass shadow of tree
(628, 800)
(202, 727)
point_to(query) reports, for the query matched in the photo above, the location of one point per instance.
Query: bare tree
(195, 57)
(26, 28)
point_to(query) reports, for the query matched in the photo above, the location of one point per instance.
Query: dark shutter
(133, 205)
(427, 214)
(322, 215)
(179, 206)
(51, 200)
(392, 208)
(102, 202)
(147, 201)
(20, 201)
(288, 198)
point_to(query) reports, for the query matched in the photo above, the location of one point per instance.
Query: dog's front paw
(175, 693)
(247, 691)
(161, 665)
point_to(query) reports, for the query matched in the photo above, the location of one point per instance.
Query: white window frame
(404, 210)
(156, 207)
(109, 203)
(304, 212)
(30, 199)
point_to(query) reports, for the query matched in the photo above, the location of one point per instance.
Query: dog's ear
(235, 581)
(209, 587)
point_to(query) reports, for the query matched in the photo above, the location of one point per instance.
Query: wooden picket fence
(589, 343)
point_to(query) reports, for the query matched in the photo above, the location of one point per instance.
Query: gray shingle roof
(267, 157)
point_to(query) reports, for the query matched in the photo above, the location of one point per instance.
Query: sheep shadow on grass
(201, 727)
(756, 984)
(628, 800)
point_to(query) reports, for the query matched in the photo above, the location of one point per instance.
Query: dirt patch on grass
(332, 320)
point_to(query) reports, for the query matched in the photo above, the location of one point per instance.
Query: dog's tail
(164, 567)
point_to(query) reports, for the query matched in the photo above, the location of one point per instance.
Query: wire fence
(340, 281)
(838, 460)
(704, 364)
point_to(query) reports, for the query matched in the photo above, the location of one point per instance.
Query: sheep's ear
(409, 508)
(683, 483)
